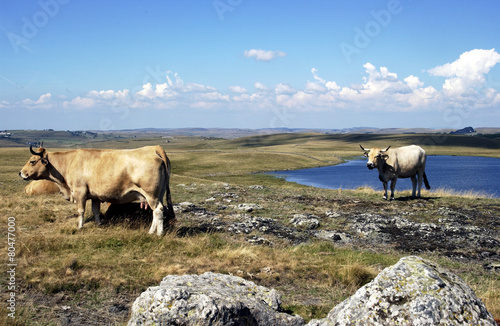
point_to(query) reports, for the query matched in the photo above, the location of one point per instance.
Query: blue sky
(102, 65)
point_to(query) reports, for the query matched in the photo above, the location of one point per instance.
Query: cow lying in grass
(41, 187)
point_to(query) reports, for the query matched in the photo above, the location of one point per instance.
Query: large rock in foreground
(412, 292)
(210, 299)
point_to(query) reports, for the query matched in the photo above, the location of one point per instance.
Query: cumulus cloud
(467, 72)
(45, 98)
(413, 82)
(44, 101)
(380, 89)
(263, 55)
(284, 88)
(259, 86)
(237, 89)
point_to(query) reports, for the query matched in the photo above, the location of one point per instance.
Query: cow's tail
(168, 171)
(426, 182)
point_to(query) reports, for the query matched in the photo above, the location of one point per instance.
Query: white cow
(402, 162)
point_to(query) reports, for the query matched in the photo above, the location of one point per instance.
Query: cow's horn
(387, 149)
(366, 150)
(35, 153)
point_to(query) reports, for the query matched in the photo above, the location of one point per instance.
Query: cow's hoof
(384, 197)
(392, 198)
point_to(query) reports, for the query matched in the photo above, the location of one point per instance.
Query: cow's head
(376, 156)
(36, 168)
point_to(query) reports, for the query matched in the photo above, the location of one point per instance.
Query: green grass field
(105, 266)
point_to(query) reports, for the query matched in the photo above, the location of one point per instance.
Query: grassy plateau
(92, 276)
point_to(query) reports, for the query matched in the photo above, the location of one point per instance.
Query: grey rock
(251, 223)
(248, 207)
(227, 195)
(307, 221)
(210, 299)
(335, 236)
(333, 214)
(188, 207)
(256, 187)
(452, 232)
(412, 292)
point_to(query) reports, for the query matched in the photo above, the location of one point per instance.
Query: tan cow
(402, 162)
(114, 176)
(41, 187)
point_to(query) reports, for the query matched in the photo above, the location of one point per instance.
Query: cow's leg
(96, 209)
(385, 190)
(157, 223)
(420, 177)
(414, 187)
(157, 207)
(158, 215)
(393, 185)
(80, 206)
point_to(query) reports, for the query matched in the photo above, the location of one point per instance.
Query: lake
(457, 173)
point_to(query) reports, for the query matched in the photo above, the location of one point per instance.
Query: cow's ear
(365, 154)
(384, 156)
(45, 161)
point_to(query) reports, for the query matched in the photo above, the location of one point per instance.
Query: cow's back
(111, 173)
(409, 159)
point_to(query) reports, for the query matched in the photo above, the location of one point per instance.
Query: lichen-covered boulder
(306, 221)
(412, 292)
(210, 299)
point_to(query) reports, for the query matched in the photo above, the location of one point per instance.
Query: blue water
(457, 173)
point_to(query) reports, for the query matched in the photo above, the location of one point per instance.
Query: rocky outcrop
(305, 221)
(452, 232)
(463, 131)
(210, 299)
(412, 292)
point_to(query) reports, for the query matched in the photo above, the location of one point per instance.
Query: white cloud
(43, 102)
(314, 87)
(80, 103)
(44, 99)
(237, 89)
(413, 82)
(467, 72)
(260, 87)
(379, 90)
(263, 55)
(314, 72)
(283, 88)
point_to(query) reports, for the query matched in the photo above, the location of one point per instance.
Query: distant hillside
(59, 138)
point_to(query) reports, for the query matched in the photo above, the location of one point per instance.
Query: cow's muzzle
(370, 165)
(22, 175)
